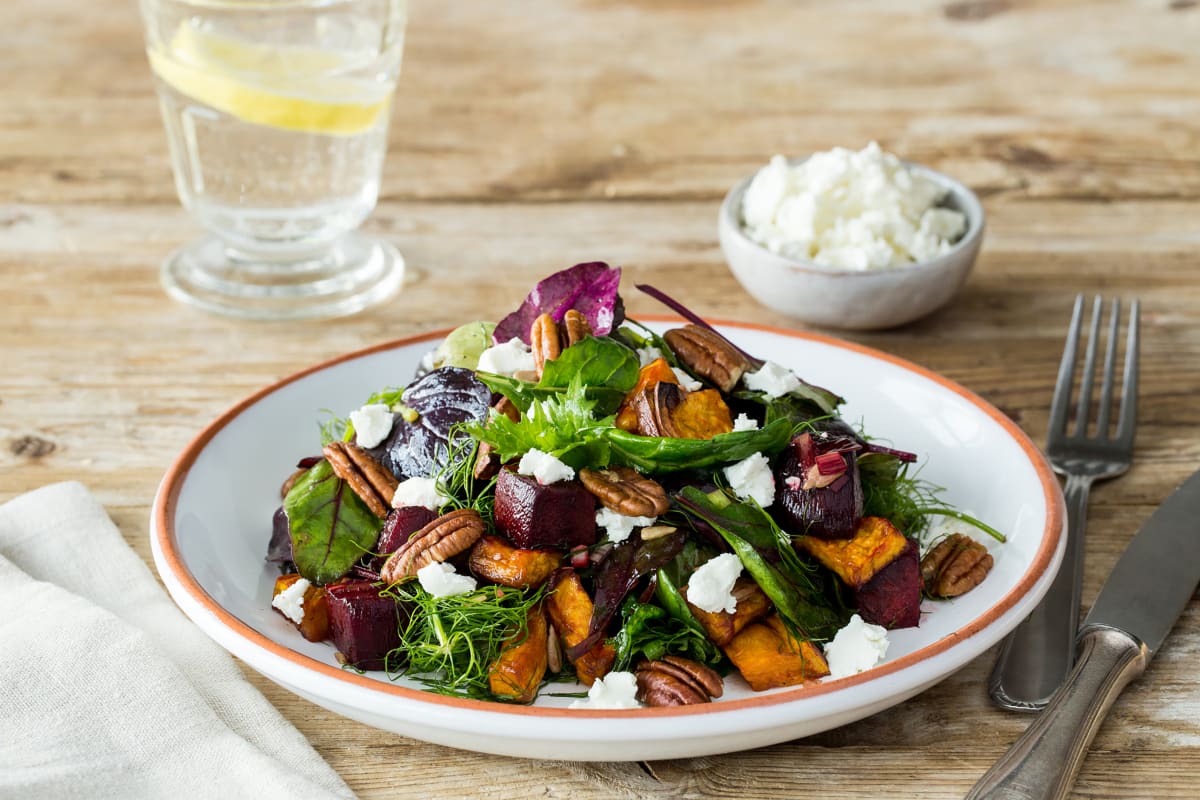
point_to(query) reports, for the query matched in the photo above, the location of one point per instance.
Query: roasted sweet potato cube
(656, 371)
(768, 656)
(893, 597)
(570, 610)
(701, 415)
(495, 560)
(518, 671)
(875, 544)
(314, 626)
(752, 605)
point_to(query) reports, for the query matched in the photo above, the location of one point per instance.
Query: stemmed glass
(277, 118)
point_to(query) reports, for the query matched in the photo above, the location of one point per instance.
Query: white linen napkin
(108, 691)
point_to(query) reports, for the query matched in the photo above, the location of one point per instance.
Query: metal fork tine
(1089, 371)
(1110, 368)
(1066, 371)
(1130, 383)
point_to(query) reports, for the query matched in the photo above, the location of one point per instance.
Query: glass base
(356, 271)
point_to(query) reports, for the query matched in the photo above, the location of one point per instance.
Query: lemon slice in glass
(282, 86)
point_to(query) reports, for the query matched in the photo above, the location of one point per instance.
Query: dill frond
(450, 643)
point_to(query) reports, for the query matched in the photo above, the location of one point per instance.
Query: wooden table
(530, 136)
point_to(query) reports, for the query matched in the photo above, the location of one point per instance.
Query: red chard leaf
(590, 289)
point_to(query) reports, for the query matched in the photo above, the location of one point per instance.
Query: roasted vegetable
(617, 574)
(534, 515)
(399, 525)
(876, 543)
(702, 415)
(570, 610)
(495, 560)
(721, 626)
(893, 597)
(519, 670)
(314, 625)
(768, 656)
(657, 371)
(818, 487)
(364, 625)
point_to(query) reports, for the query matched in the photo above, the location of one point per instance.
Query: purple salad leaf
(442, 399)
(617, 574)
(589, 288)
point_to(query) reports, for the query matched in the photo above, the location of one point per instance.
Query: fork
(1037, 656)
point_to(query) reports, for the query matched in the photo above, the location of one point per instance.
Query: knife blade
(1157, 574)
(1138, 605)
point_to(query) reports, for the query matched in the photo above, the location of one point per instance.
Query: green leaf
(653, 454)
(606, 368)
(562, 425)
(598, 361)
(671, 600)
(331, 527)
(810, 619)
(649, 632)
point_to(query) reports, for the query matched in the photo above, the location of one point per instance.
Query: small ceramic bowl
(852, 299)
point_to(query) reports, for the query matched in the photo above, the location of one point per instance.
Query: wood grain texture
(531, 135)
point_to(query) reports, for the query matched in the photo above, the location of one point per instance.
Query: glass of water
(277, 118)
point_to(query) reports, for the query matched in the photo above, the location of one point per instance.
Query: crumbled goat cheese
(620, 526)
(711, 586)
(544, 467)
(849, 210)
(614, 690)
(751, 479)
(855, 648)
(687, 381)
(507, 359)
(419, 492)
(440, 580)
(744, 423)
(772, 379)
(291, 600)
(372, 424)
(647, 355)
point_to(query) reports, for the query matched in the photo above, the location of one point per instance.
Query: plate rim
(167, 556)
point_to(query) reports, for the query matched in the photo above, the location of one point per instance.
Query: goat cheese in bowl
(851, 239)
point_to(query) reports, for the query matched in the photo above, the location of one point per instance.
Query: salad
(566, 497)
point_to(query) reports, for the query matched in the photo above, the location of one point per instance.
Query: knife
(1143, 596)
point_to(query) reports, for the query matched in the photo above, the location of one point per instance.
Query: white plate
(212, 519)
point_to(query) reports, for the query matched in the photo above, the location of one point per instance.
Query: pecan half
(625, 491)
(708, 354)
(442, 539)
(675, 681)
(543, 339)
(291, 481)
(554, 656)
(575, 328)
(955, 566)
(369, 479)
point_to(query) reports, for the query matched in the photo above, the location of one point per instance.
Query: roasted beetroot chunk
(893, 597)
(534, 515)
(399, 525)
(817, 487)
(363, 625)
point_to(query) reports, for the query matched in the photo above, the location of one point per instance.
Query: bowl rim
(169, 557)
(728, 219)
